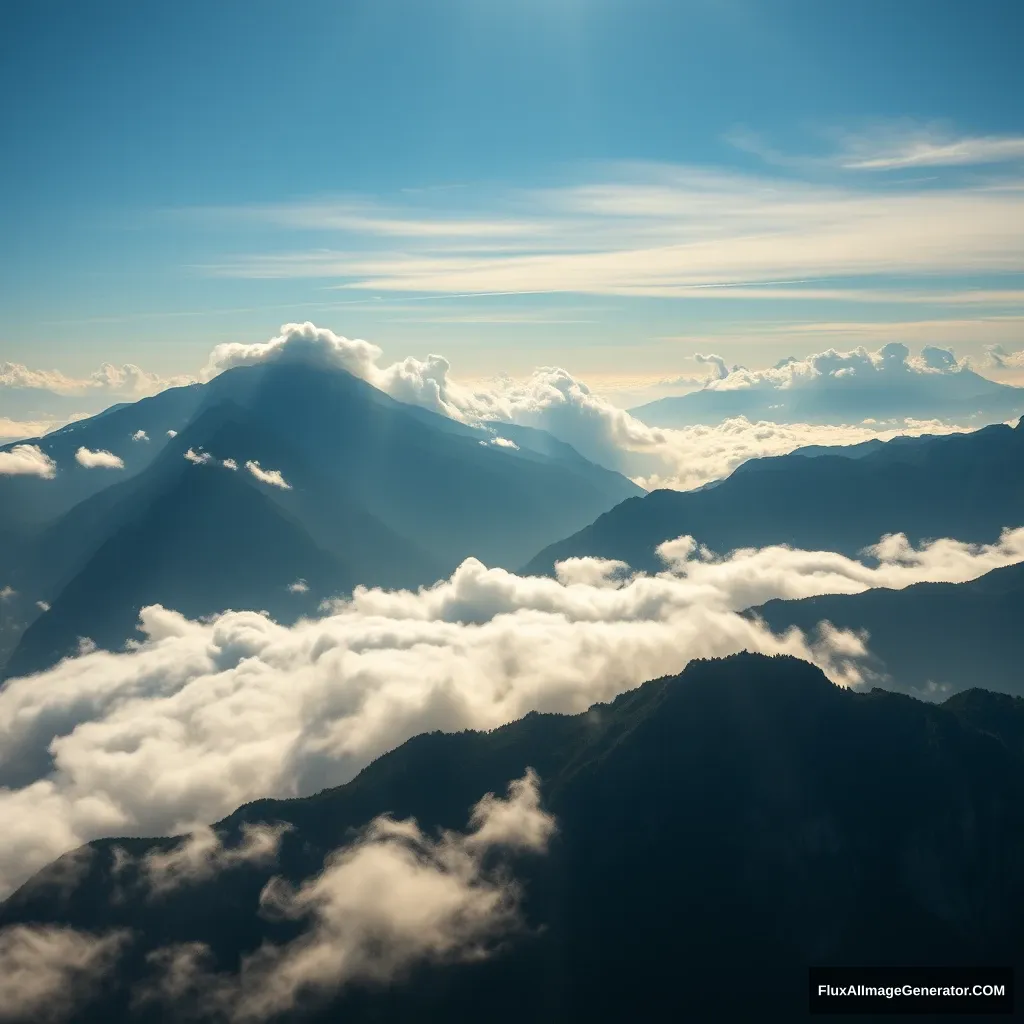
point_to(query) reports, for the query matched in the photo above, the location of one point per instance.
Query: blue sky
(611, 186)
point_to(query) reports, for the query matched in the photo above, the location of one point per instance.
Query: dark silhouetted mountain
(389, 495)
(965, 486)
(719, 832)
(930, 639)
(964, 396)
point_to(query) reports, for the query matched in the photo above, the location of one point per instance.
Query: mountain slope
(390, 495)
(966, 486)
(931, 638)
(745, 815)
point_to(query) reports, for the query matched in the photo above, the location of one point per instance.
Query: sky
(606, 185)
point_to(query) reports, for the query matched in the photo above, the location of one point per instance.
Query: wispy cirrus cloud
(667, 231)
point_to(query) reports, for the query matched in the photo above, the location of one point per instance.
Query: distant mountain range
(965, 486)
(717, 833)
(963, 397)
(930, 639)
(376, 493)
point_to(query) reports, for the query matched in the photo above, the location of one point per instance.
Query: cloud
(927, 149)
(27, 460)
(128, 380)
(172, 433)
(199, 458)
(14, 430)
(47, 973)
(204, 716)
(390, 899)
(719, 368)
(43, 606)
(229, 464)
(140, 435)
(684, 231)
(98, 460)
(298, 587)
(835, 369)
(268, 476)
(202, 855)
(6, 593)
(1001, 359)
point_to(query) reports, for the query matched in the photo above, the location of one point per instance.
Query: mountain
(929, 639)
(717, 833)
(375, 493)
(962, 396)
(966, 486)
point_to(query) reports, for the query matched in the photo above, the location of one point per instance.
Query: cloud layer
(204, 716)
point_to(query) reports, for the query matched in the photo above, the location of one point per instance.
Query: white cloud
(6, 593)
(834, 369)
(1000, 358)
(48, 973)
(392, 898)
(14, 430)
(27, 460)
(268, 476)
(98, 460)
(43, 606)
(672, 231)
(205, 716)
(298, 587)
(199, 458)
(930, 149)
(229, 464)
(202, 855)
(140, 435)
(172, 433)
(128, 381)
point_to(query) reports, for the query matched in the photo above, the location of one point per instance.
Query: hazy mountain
(966, 486)
(375, 492)
(745, 816)
(931, 638)
(850, 391)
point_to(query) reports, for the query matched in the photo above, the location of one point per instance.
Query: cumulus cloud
(392, 898)
(267, 476)
(204, 716)
(298, 587)
(7, 592)
(229, 464)
(1003, 359)
(101, 459)
(199, 458)
(172, 433)
(718, 366)
(832, 369)
(43, 606)
(140, 435)
(47, 973)
(203, 855)
(27, 460)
